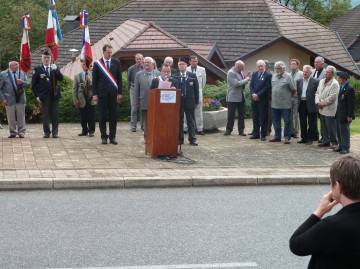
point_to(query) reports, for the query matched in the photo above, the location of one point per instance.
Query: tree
(321, 11)
(12, 10)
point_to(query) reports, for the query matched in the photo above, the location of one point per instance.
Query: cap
(183, 60)
(45, 52)
(343, 74)
(13, 59)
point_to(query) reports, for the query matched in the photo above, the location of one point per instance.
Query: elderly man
(345, 113)
(107, 87)
(260, 87)
(165, 76)
(142, 85)
(319, 71)
(189, 100)
(306, 89)
(138, 66)
(12, 95)
(201, 76)
(236, 81)
(45, 87)
(283, 89)
(170, 61)
(82, 98)
(326, 100)
(295, 74)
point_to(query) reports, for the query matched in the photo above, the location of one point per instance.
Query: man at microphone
(165, 76)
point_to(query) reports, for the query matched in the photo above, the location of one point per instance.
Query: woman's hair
(346, 171)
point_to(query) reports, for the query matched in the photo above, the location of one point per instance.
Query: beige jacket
(82, 88)
(327, 95)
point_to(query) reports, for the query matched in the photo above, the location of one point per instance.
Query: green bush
(218, 91)
(356, 84)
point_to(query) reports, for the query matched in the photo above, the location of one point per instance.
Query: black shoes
(11, 136)
(46, 136)
(200, 132)
(301, 142)
(263, 138)
(103, 141)
(337, 149)
(91, 134)
(194, 144)
(113, 141)
(242, 134)
(227, 133)
(344, 152)
(55, 136)
(254, 137)
(82, 134)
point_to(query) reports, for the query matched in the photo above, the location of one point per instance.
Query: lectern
(162, 131)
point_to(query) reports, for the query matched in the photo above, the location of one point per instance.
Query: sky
(355, 2)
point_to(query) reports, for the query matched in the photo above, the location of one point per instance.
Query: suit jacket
(201, 76)
(142, 87)
(82, 89)
(346, 104)
(327, 94)
(333, 241)
(310, 94)
(235, 87)
(191, 99)
(261, 86)
(9, 90)
(45, 86)
(102, 86)
(155, 83)
(322, 74)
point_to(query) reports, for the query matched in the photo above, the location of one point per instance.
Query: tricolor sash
(160, 78)
(100, 63)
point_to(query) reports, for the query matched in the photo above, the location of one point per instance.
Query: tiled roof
(348, 26)
(312, 36)
(236, 26)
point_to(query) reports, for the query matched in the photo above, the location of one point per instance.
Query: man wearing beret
(345, 113)
(12, 95)
(45, 87)
(189, 100)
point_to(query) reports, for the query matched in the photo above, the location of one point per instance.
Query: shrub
(218, 91)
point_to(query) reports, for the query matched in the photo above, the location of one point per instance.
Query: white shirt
(304, 88)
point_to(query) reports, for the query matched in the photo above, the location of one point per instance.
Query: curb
(159, 182)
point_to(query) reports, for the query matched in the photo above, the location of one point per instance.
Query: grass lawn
(355, 127)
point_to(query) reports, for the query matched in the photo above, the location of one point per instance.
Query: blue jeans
(276, 119)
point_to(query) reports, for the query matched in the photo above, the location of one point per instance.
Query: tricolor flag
(86, 53)
(25, 56)
(53, 32)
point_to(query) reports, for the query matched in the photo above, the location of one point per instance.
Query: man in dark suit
(107, 90)
(306, 89)
(333, 241)
(45, 87)
(189, 100)
(165, 76)
(260, 87)
(345, 113)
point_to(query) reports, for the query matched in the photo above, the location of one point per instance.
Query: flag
(86, 53)
(53, 31)
(25, 56)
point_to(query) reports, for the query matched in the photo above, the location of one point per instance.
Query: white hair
(308, 67)
(321, 59)
(149, 59)
(333, 69)
(281, 63)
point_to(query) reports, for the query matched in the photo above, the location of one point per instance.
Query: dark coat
(346, 104)
(155, 83)
(192, 89)
(333, 241)
(102, 86)
(44, 86)
(310, 94)
(261, 87)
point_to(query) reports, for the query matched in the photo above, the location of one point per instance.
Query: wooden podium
(163, 115)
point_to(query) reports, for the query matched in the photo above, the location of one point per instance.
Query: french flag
(53, 31)
(25, 56)
(86, 53)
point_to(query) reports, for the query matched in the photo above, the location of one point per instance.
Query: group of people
(297, 98)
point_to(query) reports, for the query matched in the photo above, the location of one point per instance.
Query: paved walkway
(80, 162)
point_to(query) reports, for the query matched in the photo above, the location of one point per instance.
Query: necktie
(315, 74)
(15, 79)
(149, 76)
(107, 65)
(183, 84)
(47, 71)
(194, 70)
(260, 75)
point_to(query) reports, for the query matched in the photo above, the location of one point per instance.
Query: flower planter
(215, 119)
